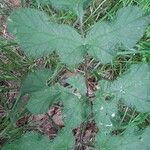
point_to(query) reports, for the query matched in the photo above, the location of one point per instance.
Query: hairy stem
(87, 86)
(84, 125)
(81, 28)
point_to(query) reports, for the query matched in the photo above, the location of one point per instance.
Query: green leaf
(104, 111)
(73, 113)
(36, 81)
(29, 141)
(38, 37)
(126, 29)
(72, 116)
(63, 141)
(78, 82)
(41, 101)
(41, 95)
(130, 140)
(133, 87)
(76, 6)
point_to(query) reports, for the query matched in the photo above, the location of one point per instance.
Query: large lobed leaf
(36, 81)
(133, 87)
(76, 6)
(104, 112)
(126, 29)
(40, 102)
(29, 141)
(130, 140)
(38, 37)
(41, 95)
(64, 140)
(73, 113)
(41, 98)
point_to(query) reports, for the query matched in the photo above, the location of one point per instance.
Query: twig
(52, 121)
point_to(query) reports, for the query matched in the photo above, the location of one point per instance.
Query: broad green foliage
(105, 111)
(41, 95)
(36, 81)
(72, 115)
(39, 37)
(130, 140)
(29, 141)
(64, 140)
(133, 87)
(78, 82)
(76, 6)
(126, 29)
(135, 93)
(40, 102)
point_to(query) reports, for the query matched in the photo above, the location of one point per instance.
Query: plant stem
(81, 27)
(87, 86)
(84, 125)
(52, 121)
(86, 70)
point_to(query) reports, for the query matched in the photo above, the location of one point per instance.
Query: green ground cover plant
(39, 35)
